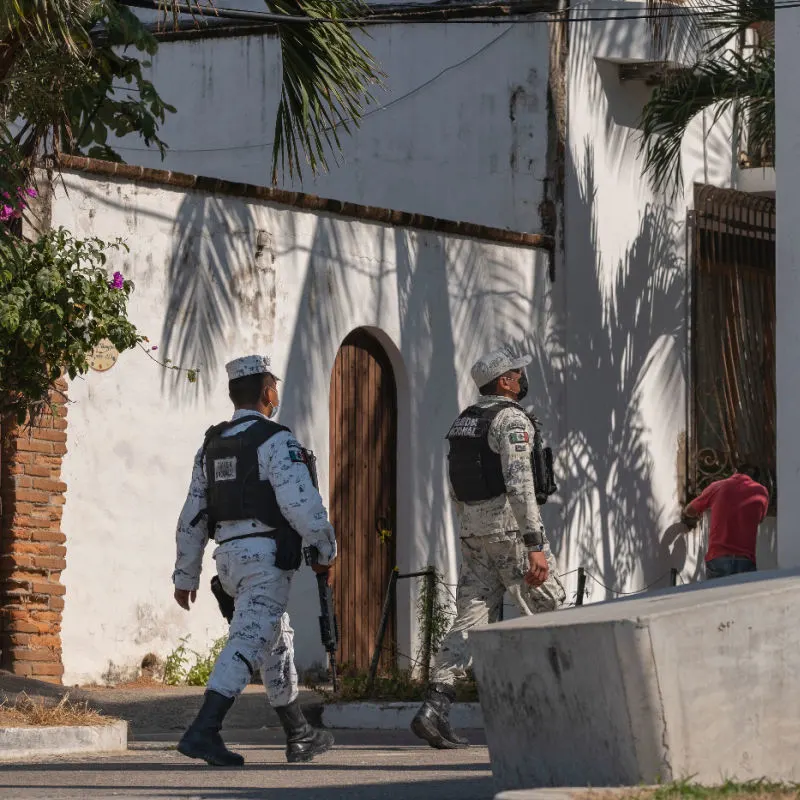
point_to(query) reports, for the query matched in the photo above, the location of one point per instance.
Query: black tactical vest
(235, 489)
(476, 471)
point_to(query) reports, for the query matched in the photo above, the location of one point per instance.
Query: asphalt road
(365, 765)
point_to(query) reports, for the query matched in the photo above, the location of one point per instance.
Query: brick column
(32, 551)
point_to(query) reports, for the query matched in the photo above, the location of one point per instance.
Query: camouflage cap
(248, 365)
(497, 363)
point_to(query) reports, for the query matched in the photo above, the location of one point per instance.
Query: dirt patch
(27, 712)
(148, 684)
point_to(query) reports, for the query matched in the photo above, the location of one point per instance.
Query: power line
(434, 16)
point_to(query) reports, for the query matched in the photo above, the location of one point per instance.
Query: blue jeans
(728, 565)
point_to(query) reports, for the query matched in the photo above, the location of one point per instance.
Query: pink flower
(117, 282)
(154, 347)
(6, 195)
(31, 192)
(6, 212)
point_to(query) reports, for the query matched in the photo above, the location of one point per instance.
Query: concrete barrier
(696, 681)
(18, 744)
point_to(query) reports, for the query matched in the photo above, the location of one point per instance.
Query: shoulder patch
(518, 437)
(296, 455)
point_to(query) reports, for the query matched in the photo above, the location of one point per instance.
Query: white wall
(787, 121)
(459, 133)
(203, 298)
(621, 318)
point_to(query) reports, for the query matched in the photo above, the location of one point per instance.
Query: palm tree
(61, 62)
(721, 78)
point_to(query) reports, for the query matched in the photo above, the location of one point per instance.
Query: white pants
(260, 635)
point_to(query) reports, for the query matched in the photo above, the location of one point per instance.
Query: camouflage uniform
(494, 557)
(260, 635)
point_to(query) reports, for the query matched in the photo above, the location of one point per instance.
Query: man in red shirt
(738, 505)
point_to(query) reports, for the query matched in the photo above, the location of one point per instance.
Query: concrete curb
(18, 744)
(561, 793)
(394, 716)
(538, 794)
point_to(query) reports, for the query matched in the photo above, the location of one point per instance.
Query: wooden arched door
(363, 447)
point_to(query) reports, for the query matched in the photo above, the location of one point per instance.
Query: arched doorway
(363, 471)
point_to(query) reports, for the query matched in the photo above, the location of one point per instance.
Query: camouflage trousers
(490, 566)
(260, 635)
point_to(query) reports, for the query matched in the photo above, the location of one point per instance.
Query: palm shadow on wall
(597, 356)
(218, 270)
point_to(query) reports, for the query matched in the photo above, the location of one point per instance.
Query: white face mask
(273, 407)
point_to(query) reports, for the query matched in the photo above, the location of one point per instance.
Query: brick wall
(32, 551)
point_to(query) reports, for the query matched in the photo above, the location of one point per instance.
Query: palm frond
(728, 19)
(327, 77)
(745, 86)
(51, 21)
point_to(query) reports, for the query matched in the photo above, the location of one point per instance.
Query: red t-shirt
(738, 504)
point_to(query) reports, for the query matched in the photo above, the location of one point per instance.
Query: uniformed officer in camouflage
(251, 491)
(503, 543)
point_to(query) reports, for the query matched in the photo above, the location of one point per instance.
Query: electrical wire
(434, 15)
(634, 591)
(217, 12)
(366, 115)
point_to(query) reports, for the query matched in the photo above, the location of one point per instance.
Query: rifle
(542, 465)
(328, 626)
(311, 463)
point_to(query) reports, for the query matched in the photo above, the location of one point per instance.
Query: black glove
(689, 522)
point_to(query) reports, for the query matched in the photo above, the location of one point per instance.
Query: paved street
(365, 765)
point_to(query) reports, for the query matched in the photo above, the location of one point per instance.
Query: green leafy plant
(200, 671)
(440, 608)
(179, 672)
(59, 298)
(175, 664)
(57, 302)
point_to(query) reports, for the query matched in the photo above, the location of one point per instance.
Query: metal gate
(732, 395)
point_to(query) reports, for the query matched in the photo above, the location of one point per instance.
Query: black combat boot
(202, 739)
(432, 723)
(302, 741)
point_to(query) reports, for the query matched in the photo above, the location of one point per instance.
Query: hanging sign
(103, 356)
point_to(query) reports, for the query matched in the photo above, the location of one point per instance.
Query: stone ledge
(20, 744)
(305, 202)
(394, 716)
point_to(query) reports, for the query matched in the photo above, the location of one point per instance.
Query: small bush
(177, 669)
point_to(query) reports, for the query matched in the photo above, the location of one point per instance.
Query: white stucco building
(567, 253)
